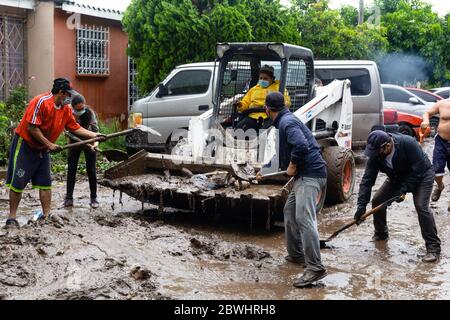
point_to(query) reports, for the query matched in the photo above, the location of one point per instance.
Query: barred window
(92, 50)
(133, 90)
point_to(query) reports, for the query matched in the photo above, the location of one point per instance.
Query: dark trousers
(72, 162)
(248, 123)
(421, 198)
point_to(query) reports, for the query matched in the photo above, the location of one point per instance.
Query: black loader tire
(341, 174)
(406, 130)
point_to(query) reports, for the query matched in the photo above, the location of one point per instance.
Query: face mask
(79, 112)
(66, 101)
(264, 83)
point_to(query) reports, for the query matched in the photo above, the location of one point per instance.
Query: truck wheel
(341, 174)
(406, 130)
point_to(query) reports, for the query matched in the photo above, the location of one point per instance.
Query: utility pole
(361, 12)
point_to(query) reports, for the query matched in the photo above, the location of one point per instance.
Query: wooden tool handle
(88, 141)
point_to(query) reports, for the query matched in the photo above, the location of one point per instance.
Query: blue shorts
(27, 164)
(441, 155)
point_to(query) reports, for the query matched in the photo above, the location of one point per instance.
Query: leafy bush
(11, 112)
(5, 136)
(16, 103)
(112, 126)
(59, 160)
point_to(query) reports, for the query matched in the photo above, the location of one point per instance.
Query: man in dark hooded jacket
(408, 169)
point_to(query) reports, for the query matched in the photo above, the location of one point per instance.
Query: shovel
(110, 154)
(247, 173)
(110, 136)
(323, 243)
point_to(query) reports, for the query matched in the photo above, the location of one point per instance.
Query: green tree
(387, 6)
(326, 33)
(165, 33)
(303, 4)
(349, 14)
(270, 21)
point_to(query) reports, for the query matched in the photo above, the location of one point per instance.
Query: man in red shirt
(44, 120)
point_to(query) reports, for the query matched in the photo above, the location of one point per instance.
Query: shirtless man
(441, 153)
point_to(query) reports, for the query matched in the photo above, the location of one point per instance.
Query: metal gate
(133, 90)
(12, 54)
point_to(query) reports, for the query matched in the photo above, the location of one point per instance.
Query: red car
(424, 94)
(408, 124)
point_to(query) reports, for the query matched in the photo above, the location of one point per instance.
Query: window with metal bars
(12, 54)
(93, 50)
(133, 90)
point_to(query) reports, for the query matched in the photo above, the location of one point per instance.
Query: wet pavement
(126, 253)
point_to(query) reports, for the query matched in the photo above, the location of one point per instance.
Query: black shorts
(441, 155)
(27, 164)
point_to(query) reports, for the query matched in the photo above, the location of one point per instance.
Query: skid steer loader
(200, 174)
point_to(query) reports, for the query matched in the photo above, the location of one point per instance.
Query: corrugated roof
(90, 10)
(24, 4)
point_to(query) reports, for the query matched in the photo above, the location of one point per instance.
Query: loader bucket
(161, 180)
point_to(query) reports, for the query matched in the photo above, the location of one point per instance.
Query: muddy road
(122, 252)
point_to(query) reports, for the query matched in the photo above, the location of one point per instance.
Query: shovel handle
(270, 175)
(363, 217)
(88, 141)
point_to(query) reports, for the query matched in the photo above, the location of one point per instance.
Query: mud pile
(94, 254)
(135, 251)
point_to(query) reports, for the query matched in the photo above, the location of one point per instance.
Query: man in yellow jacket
(255, 99)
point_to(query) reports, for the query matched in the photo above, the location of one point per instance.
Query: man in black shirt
(87, 119)
(408, 170)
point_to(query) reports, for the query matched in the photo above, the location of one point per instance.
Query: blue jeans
(300, 221)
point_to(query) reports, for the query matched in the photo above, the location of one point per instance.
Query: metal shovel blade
(143, 128)
(243, 172)
(114, 155)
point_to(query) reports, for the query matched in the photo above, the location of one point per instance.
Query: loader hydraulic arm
(333, 105)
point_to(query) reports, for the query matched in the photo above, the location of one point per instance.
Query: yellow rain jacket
(256, 98)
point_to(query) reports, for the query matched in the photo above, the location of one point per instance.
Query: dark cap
(76, 99)
(64, 85)
(266, 69)
(375, 141)
(275, 101)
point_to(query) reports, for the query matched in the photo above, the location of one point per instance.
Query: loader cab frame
(238, 71)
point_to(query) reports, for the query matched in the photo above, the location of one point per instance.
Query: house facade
(42, 40)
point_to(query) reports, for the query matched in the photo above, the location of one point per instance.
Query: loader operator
(300, 154)
(408, 169)
(255, 99)
(85, 116)
(441, 152)
(44, 120)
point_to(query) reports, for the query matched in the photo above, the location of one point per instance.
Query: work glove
(358, 214)
(401, 198)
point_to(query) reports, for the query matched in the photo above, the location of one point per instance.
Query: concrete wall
(40, 64)
(107, 95)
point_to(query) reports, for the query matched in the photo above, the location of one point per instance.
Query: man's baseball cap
(275, 101)
(64, 85)
(375, 141)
